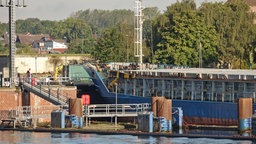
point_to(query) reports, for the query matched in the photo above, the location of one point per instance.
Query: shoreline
(128, 132)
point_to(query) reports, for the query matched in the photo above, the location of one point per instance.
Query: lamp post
(127, 53)
(200, 52)
(66, 67)
(116, 107)
(36, 64)
(82, 46)
(200, 55)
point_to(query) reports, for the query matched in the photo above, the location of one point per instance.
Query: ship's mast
(12, 35)
(138, 22)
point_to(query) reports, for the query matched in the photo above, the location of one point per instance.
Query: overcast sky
(61, 9)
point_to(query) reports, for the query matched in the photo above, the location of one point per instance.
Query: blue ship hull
(194, 112)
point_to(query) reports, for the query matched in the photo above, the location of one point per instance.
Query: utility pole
(12, 35)
(200, 52)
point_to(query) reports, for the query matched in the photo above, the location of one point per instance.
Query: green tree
(108, 47)
(233, 21)
(181, 30)
(3, 49)
(114, 45)
(76, 31)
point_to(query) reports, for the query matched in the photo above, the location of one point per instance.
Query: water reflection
(17, 137)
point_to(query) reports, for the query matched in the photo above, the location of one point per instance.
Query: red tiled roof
(250, 2)
(59, 40)
(28, 39)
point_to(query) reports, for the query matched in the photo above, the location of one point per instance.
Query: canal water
(18, 137)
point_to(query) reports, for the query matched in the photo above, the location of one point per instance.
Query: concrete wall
(38, 64)
(42, 64)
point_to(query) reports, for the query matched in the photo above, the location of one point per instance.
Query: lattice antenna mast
(138, 22)
(12, 35)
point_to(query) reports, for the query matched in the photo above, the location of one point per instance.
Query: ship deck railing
(114, 110)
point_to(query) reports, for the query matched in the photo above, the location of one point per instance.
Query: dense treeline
(223, 33)
(212, 35)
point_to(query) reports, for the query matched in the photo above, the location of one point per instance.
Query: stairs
(77, 74)
(46, 93)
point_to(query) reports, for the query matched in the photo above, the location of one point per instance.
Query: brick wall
(43, 108)
(9, 100)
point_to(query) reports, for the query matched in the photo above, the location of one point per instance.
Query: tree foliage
(75, 31)
(222, 34)
(235, 27)
(182, 32)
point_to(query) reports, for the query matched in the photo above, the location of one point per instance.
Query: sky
(62, 9)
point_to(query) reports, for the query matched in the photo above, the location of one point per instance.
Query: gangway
(114, 110)
(46, 93)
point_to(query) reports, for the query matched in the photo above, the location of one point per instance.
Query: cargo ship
(206, 96)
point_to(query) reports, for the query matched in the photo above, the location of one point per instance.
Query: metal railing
(23, 115)
(111, 110)
(46, 91)
(29, 112)
(114, 110)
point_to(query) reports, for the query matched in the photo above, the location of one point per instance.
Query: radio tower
(12, 35)
(138, 22)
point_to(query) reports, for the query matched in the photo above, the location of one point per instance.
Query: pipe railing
(99, 110)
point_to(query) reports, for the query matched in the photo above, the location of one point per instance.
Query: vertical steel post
(127, 54)
(138, 23)
(12, 37)
(116, 107)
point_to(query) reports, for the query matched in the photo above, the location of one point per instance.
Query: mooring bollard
(245, 116)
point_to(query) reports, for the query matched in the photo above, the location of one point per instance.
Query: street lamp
(127, 53)
(200, 52)
(116, 107)
(36, 64)
(82, 37)
(82, 46)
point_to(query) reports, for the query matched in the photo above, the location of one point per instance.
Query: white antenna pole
(138, 23)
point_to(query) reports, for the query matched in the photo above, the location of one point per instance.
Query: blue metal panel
(163, 125)
(207, 109)
(245, 124)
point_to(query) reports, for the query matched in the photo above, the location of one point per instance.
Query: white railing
(111, 110)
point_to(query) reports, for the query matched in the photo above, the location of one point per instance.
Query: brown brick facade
(10, 99)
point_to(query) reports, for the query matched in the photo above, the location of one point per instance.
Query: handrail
(48, 92)
(27, 112)
(112, 109)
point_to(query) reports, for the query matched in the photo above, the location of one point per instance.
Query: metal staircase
(46, 93)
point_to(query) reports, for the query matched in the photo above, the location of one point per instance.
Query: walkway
(113, 110)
